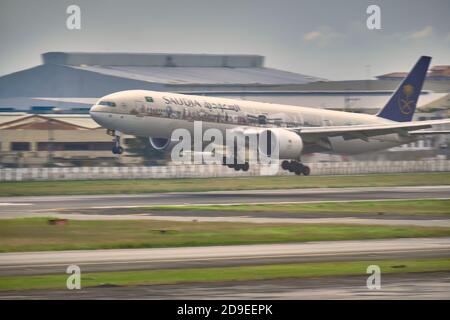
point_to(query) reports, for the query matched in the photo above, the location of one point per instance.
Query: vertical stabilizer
(403, 102)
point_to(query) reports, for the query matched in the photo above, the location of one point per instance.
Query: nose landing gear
(117, 148)
(295, 166)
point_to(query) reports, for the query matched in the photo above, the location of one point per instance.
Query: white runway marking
(14, 204)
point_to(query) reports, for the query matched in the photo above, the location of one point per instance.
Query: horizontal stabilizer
(428, 132)
(366, 130)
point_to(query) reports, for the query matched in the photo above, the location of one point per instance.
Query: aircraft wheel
(292, 165)
(298, 169)
(285, 165)
(306, 170)
(245, 166)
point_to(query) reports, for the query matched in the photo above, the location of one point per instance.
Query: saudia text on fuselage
(187, 102)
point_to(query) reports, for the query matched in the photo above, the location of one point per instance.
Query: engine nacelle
(161, 143)
(288, 144)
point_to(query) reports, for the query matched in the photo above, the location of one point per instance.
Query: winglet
(403, 102)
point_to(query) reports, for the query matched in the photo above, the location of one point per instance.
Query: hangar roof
(34, 121)
(202, 75)
(179, 68)
(7, 117)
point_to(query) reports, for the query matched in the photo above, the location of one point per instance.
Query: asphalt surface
(219, 256)
(120, 207)
(189, 217)
(12, 205)
(433, 285)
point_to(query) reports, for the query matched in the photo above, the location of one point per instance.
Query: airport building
(436, 73)
(92, 75)
(62, 140)
(73, 81)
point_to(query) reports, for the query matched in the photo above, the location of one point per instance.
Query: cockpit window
(107, 103)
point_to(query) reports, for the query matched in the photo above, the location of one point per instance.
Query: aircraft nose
(93, 112)
(94, 108)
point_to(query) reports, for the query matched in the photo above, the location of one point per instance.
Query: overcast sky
(322, 38)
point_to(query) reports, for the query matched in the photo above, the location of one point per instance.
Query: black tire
(245, 166)
(306, 171)
(285, 165)
(291, 166)
(298, 168)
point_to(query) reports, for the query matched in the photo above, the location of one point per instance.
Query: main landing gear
(237, 166)
(297, 167)
(117, 148)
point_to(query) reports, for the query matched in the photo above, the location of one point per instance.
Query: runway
(106, 207)
(11, 205)
(421, 286)
(432, 285)
(219, 256)
(21, 204)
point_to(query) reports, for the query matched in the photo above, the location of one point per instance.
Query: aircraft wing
(89, 101)
(367, 130)
(428, 132)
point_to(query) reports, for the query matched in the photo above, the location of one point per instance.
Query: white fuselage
(158, 114)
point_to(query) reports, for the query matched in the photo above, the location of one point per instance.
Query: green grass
(35, 234)
(387, 207)
(276, 271)
(245, 183)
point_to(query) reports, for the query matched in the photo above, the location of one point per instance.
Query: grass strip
(436, 207)
(36, 234)
(201, 275)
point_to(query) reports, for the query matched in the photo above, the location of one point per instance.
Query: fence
(205, 171)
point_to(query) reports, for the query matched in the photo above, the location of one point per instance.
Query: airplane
(297, 130)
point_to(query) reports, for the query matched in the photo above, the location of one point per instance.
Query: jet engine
(161, 143)
(286, 143)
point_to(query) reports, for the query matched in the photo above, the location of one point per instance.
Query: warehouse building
(88, 76)
(436, 73)
(62, 140)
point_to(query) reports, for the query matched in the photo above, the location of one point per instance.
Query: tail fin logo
(405, 103)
